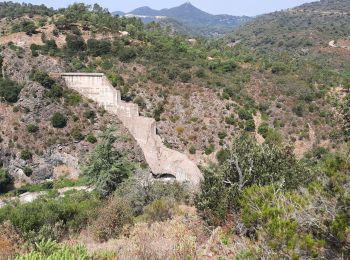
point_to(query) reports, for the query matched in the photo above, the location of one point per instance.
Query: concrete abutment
(162, 160)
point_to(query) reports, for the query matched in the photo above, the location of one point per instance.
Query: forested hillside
(265, 116)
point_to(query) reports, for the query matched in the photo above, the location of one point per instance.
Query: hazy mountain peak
(191, 17)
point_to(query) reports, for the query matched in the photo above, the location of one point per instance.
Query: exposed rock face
(162, 160)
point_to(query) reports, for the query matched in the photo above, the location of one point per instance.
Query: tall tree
(107, 167)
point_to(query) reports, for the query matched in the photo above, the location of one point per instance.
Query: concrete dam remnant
(162, 160)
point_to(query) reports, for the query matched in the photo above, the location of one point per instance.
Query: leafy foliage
(9, 90)
(346, 114)
(58, 120)
(5, 180)
(43, 78)
(248, 163)
(107, 167)
(14, 10)
(48, 249)
(51, 217)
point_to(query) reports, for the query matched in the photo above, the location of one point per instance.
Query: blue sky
(234, 7)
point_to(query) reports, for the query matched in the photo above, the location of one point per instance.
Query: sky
(233, 7)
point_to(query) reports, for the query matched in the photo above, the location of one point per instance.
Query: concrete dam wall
(162, 160)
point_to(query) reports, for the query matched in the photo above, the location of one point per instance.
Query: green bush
(58, 120)
(28, 171)
(263, 129)
(98, 48)
(185, 77)
(142, 193)
(55, 92)
(230, 120)
(245, 114)
(71, 212)
(32, 128)
(159, 210)
(223, 155)
(91, 138)
(209, 149)
(192, 150)
(250, 125)
(9, 90)
(26, 155)
(107, 167)
(90, 114)
(49, 249)
(127, 54)
(77, 135)
(43, 78)
(75, 43)
(222, 135)
(72, 98)
(5, 180)
(248, 164)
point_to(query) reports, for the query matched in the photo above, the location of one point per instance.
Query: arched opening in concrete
(164, 176)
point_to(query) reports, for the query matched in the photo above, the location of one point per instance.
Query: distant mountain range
(196, 20)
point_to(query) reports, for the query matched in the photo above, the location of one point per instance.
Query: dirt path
(257, 120)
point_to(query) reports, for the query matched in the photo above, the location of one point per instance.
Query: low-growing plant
(26, 155)
(112, 218)
(91, 138)
(58, 120)
(32, 128)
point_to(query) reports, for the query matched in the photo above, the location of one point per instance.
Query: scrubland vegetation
(256, 200)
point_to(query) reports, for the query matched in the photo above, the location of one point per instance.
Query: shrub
(142, 193)
(28, 171)
(345, 109)
(9, 90)
(250, 125)
(43, 78)
(58, 120)
(55, 92)
(26, 155)
(77, 135)
(180, 130)
(127, 54)
(158, 111)
(299, 109)
(222, 135)
(116, 80)
(245, 114)
(192, 150)
(49, 249)
(223, 155)
(70, 212)
(72, 98)
(263, 129)
(185, 77)
(159, 210)
(140, 102)
(248, 164)
(112, 218)
(107, 167)
(75, 43)
(5, 180)
(91, 138)
(32, 128)
(98, 48)
(90, 114)
(230, 120)
(267, 209)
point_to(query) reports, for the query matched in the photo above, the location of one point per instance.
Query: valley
(122, 138)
